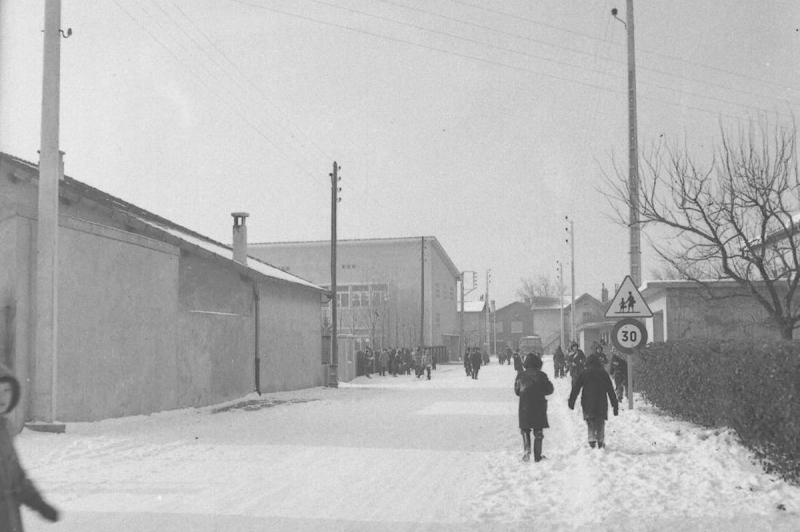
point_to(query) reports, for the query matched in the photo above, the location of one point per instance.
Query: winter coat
(619, 365)
(475, 359)
(517, 362)
(15, 487)
(577, 362)
(532, 385)
(426, 360)
(597, 391)
(384, 359)
(558, 356)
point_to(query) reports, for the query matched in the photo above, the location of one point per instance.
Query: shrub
(751, 386)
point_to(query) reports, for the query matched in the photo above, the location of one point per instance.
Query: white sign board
(628, 302)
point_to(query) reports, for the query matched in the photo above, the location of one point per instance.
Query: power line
(594, 55)
(207, 86)
(638, 49)
(479, 59)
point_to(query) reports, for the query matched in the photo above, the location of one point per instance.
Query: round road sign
(628, 334)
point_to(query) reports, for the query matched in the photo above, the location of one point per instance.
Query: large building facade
(392, 292)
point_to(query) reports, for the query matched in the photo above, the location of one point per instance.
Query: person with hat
(15, 486)
(532, 386)
(597, 392)
(577, 360)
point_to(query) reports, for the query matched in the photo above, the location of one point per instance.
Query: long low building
(151, 316)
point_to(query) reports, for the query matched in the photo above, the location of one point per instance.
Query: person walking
(597, 392)
(619, 372)
(383, 361)
(598, 350)
(426, 362)
(517, 362)
(577, 360)
(368, 361)
(16, 488)
(532, 386)
(418, 361)
(559, 362)
(467, 363)
(475, 362)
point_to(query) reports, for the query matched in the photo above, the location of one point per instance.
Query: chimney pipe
(240, 237)
(604, 293)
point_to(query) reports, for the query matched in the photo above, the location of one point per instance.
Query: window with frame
(516, 326)
(379, 293)
(438, 291)
(343, 296)
(359, 295)
(437, 321)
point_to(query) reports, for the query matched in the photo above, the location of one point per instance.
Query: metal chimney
(240, 237)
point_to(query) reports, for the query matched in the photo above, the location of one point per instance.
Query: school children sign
(628, 302)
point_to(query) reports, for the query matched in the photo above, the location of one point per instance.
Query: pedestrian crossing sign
(628, 302)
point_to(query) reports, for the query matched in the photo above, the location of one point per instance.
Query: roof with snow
(152, 225)
(472, 306)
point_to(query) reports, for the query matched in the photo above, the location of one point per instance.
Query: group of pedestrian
(473, 360)
(394, 362)
(589, 378)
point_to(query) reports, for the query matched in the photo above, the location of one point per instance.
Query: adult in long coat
(15, 487)
(597, 392)
(532, 386)
(475, 360)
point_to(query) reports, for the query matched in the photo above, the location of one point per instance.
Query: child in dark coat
(596, 386)
(531, 386)
(15, 487)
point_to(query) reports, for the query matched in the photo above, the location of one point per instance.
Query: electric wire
(305, 171)
(486, 61)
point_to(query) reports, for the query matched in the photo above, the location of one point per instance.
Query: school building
(391, 292)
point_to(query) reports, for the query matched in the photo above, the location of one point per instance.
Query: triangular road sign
(628, 302)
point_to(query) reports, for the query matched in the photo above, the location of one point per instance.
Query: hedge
(750, 386)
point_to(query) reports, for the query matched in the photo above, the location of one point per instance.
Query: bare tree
(543, 286)
(734, 217)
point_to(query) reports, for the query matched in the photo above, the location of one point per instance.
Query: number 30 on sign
(628, 334)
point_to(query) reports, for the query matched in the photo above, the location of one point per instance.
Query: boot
(526, 441)
(600, 445)
(592, 444)
(537, 450)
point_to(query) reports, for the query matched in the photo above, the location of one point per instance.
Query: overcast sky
(481, 123)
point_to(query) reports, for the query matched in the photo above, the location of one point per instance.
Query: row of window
(361, 295)
(446, 292)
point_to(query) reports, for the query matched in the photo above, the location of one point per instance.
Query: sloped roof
(156, 225)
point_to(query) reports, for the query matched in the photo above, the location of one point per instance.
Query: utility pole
(422, 294)
(633, 171)
(51, 173)
(494, 327)
(335, 199)
(561, 301)
(486, 301)
(571, 240)
(461, 320)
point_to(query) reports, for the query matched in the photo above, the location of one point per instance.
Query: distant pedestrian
(577, 360)
(418, 361)
(517, 362)
(597, 392)
(475, 362)
(368, 361)
(598, 350)
(559, 363)
(383, 362)
(426, 362)
(619, 372)
(531, 386)
(15, 487)
(467, 363)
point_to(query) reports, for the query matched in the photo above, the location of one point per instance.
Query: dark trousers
(475, 372)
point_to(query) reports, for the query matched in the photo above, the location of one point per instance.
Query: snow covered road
(399, 454)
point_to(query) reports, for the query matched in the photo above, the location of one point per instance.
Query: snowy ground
(399, 454)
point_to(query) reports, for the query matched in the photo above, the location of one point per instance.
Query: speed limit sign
(628, 334)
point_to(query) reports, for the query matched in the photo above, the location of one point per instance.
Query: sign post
(629, 333)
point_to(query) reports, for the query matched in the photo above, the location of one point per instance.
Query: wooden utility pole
(51, 172)
(334, 377)
(422, 293)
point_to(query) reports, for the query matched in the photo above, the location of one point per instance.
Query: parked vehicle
(531, 344)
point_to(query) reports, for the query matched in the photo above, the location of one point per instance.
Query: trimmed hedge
(750, 386)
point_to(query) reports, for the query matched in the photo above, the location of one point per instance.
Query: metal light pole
(333, 378)
(561, 301)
